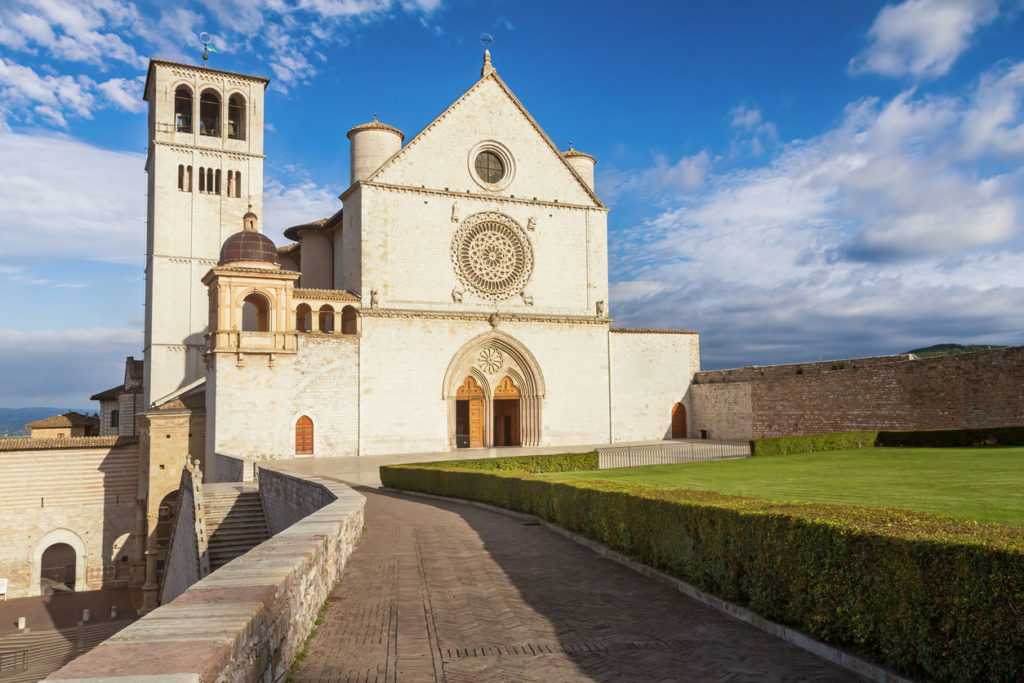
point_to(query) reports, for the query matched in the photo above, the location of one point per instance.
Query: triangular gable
(387, 173)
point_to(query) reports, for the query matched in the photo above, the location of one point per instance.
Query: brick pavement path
(450, 592)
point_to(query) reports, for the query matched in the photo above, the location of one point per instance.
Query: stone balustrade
(245, 621)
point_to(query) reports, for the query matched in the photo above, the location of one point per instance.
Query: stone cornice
(483, 316)
(640, 330)
(481, 196)
(212, 150)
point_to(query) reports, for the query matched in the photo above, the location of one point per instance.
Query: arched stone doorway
(679, 421)
(166, 514)
(494, 386)
(73, 570)
(57, 574)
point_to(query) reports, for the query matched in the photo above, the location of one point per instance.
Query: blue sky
(794, 180)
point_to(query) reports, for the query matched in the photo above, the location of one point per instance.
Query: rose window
(490, 360)
(492, 255)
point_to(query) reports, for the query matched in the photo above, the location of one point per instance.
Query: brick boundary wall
(245, 621)
(970, 390)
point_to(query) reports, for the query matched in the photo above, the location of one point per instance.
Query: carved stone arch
(59, 535)
(488, 358)
(530, 382)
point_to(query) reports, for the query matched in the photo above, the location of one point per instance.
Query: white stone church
(458, 298)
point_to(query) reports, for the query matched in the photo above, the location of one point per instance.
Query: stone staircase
(235, 523)
(47, 651)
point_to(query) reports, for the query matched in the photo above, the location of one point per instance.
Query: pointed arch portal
(495, 390)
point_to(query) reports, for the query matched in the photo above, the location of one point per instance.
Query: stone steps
(235, 524)
(48, 651)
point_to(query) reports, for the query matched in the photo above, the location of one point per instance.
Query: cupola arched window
(255, 314)
(236, 117)
(209, 114)
(183, 109)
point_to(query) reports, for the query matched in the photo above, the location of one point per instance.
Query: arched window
(188, 179)
(202, 179)
(209, 180)
(255, 314)
(303, 318)
(238, 183)
(181, 176)
(216, 185)
(303, 436)
(326, 318)
(183, 109)
(349, 320)
(231, 184)
(236, 117)
(209, 114)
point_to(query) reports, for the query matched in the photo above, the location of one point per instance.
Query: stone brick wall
(650, 373)
(982, 389)
(83, 494)
(245, 621)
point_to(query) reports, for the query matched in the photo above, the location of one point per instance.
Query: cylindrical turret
(583, 163)
(371, 144)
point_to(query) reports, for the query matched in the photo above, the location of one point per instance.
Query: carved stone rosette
(492, 255)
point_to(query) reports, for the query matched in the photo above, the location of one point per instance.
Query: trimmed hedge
(938, 438)
(926, 595)
(812, 443)
(536, 464)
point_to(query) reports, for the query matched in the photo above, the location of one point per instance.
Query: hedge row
(948, 438)
(928, 596)
(536, 464)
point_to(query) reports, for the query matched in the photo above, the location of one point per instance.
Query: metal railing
(670, 452)
(11, 662)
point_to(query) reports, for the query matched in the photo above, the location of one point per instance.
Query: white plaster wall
(439, 156)
(255, 407)
(403, 369)
(650, 374)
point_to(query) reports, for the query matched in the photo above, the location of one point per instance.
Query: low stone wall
(245, 621)
(970, 390)
(187, 561)
(288, 499)
(228, 468)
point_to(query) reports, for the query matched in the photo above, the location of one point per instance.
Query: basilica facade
(458, 298)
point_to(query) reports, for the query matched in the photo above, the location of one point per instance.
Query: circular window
(492, 255)
(489, 167)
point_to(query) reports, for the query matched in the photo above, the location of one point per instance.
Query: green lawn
(981, 484)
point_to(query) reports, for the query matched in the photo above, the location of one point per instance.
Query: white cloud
(82, 31)
(65, 198)
(901, 226)
(922, 38)
(124, 93)
(300, 202)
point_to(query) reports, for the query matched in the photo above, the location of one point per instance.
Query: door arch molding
(61, 535)
(512, 358)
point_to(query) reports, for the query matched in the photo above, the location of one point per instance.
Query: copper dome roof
(248, 246)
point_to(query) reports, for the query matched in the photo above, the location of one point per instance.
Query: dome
(249, 245)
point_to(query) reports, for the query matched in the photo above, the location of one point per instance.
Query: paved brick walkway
(450, 592)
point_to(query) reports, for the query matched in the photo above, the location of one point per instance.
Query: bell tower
(205, 170)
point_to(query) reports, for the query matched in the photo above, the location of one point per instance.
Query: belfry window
(183, 110)
(209, 114)
(236, 117)
(255, 314)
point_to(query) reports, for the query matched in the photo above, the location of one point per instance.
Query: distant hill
(13, 420)
(950, 349)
